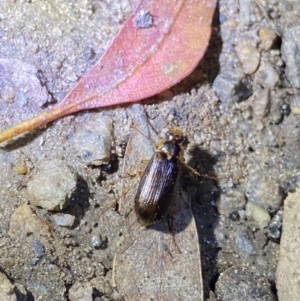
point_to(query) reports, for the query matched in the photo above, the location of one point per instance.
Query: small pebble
(267, 37)
(232, 86)
(64, 220)
(102, 286)
(95, 241)
(34, 261)
(232, 201)
(267, 193)
(258, 215)
(242, 214)
(262, 261)
(7, 262)
(51, 187)
(26, 86)
(86, 291)
(248, 56)
(21, 99)
(7, 93)
(266, 76)
(93, 139)
(20, 169)
(81, 292)
(38, 248)
(274, 229)
(261, 103)
(244, 241)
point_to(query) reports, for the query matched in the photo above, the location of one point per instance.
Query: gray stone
(95, 241)
(22, 76)
(64, 220)
(51, 186)
(103, 287)
(232, 86)
(265, 192)
(266, 76)
(291, 55)
(237, 283)
(85, 291)
(231, 201)
(81, 292)
(244, 241)
(93, 140)
(274, 229)
(38, 248)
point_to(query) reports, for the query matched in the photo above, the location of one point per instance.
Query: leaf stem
(32, 123)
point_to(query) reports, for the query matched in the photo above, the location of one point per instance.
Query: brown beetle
(154, 199)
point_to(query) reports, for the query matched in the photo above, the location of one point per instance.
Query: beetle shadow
(204, 194)
(78, 202)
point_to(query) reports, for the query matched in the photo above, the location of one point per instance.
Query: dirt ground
(237, 110)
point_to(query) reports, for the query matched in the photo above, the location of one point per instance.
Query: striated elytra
(154, 199)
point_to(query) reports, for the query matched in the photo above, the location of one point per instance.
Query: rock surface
(291, 56)
(237, 284)
(287, 276)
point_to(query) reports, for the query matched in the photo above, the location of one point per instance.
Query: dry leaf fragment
(140, 62)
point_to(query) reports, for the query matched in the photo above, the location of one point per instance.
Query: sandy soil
(235, 109)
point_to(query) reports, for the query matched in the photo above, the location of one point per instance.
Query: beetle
(154, 199)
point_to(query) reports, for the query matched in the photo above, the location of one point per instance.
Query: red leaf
(159, 45)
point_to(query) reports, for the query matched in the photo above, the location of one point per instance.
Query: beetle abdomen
(154, 198)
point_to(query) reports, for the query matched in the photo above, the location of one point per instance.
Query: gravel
(239, 112)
